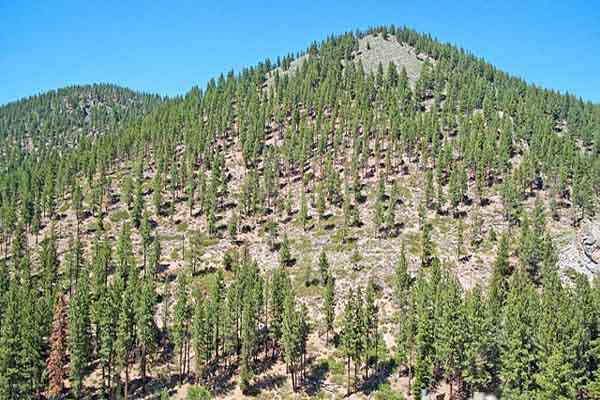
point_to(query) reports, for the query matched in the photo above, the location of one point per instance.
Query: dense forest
(159, 247)
(60, 119)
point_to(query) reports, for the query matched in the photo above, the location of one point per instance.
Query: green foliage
(198, 393)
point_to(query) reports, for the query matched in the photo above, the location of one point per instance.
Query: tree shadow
(378, 377)
(316, 377)
(268, 382)
(221, 384)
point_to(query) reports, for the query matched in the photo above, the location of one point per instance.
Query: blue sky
(156, 46)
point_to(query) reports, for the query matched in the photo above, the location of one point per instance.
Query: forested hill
(58, 119)
(378, 215)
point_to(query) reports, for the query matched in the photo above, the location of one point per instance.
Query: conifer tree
(200, 339)
(402, 280)
(145, 231)
(181, 324)
(323, 267)
(125, 336)
(196, 251)
(156, 194)
(284, 251)
(370, 323)
(57, 359)
(9, 346)
(144, 322)
(303, 214)
(426, 244)
(517, 343)
(291, 337)
(329, 306)
(78, 336)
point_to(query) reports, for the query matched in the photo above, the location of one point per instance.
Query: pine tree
(426, 244)
(291, 337)
(478, 362)
(145, 231)
(144, 321)
(78, 336)
(517, 343)
(154, 257)
(156, 194)
(280, 284)
(181, 324)
(352, 335)
(57, 359)
(285, 257)
(196, 251)
(32, 330)
(107, 313)
(138, 204)
(10, 345)
(323, 267)
(303, 214)
(126, 336)
(370, 323)
(329, 306)
(450, 340)
(200, 341)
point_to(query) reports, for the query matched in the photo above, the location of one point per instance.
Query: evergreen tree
(144, 321)
(57, 359)
(285, 257)
(181, 324)
(323, 267)
(9, 346)
(329, 306)
(78, 336)
(126, 336)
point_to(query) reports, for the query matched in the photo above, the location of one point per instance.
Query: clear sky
(168, 46)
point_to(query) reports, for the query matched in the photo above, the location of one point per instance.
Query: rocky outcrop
(582, 252)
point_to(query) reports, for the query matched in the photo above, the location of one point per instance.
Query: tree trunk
(143, 367)
(126, 388)
(348, 375)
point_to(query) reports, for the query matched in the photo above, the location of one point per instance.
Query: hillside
(379, 215)
(59, 119)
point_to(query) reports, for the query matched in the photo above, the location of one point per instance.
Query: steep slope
(231, 193)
